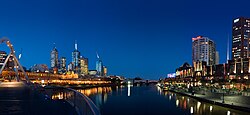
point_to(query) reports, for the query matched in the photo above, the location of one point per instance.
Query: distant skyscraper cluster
(78, 65)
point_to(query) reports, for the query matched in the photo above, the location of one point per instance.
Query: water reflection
(200, 108)
(100, 94)
(142, 98)
(93, 91)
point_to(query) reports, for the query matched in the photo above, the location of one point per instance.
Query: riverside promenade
(16, 98)
(233, 101)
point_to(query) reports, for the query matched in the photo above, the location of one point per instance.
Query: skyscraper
(54, 58)
(75, 59)
(203, 49)
(3, 56)
(105, 71)
(240, 42)
(63, 64)
(99, 66)
(217, 58)
(84, 66)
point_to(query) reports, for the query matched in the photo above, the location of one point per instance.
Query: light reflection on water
(201, 108)
(107, 97)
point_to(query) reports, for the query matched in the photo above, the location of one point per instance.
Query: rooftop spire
(75, 45)
(54, 45)
(98, 57)
(228, 47)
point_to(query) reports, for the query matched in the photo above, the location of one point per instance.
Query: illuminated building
(39, 68)
(183, 73)
(54, 58)
(99, 67)
(70, 67)
(217, 58)
(75, 59)
(3, 56)
(203, 49)
(240, 35)
(63, 64)
(105, 71)
(84, 66)
(185, 70)
(92, 72)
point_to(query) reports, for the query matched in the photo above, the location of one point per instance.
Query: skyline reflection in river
(150, 100)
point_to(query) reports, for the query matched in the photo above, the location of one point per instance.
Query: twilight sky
(145, 38)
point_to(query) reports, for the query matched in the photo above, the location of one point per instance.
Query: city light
(129, 89)
(192, 110)
(211, 108)
(177, 102)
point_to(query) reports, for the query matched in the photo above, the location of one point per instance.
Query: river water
(150, 100)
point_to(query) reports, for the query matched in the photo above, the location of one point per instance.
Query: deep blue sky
(145, 38)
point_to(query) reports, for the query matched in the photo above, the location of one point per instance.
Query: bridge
(147, 82)
(20, 96)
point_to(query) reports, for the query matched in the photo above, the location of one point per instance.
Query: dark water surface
(150, 100)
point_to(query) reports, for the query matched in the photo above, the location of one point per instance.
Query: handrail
(90, 103)
(81, 103)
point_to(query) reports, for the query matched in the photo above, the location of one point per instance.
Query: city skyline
(134, 38)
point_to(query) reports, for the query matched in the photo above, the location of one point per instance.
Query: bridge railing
(81, 103)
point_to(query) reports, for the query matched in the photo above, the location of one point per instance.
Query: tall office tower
(63, 64)
(99, 67)
(203, 49)
(54, 58)
(75, 59)
(70, 67)
(3, 56)
(217, 55)
(240, 31)
(84, 66)
(105, 71)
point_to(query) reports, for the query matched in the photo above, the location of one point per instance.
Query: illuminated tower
(63, 64)
(75, 59)
(3, 56)
(203, 50)
(99, 66)
(54, 58)
(240, 45)
(84, 66)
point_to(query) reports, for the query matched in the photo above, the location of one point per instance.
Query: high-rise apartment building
(203, 49)
(3, 56)
(54, 58)
(63, 64)
(84, 66)
(240, 36)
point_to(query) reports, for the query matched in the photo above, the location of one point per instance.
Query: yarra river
(150, 100)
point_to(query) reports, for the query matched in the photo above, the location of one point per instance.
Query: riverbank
(233, 102)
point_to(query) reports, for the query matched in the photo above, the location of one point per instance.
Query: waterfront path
(18, 99)
(231, 101)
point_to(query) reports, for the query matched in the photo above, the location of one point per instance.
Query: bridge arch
(11, 55)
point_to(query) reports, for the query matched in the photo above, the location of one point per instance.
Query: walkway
(229, 100)
(18, 99)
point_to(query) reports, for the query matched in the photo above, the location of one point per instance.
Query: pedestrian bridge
(20, 96)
